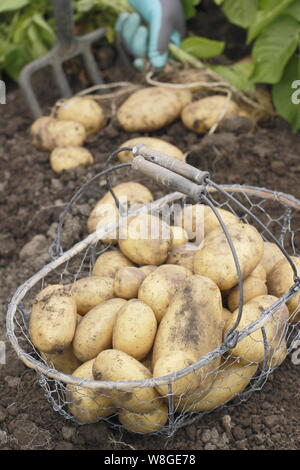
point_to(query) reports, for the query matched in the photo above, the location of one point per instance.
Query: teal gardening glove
(165, 23)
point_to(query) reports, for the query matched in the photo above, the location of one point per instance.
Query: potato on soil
(149, 109)
(67, 158)
(83, 110)
(272, 255)
(280, 280)
(159, 288)
(37, 130)
(201, 115)
(115, 365)
(152, 143)
(109, 263)
(87, 405)
(215, 259)
(183, 255)
(145, 239)
(51, 133)
(128, 281)
(91, 291)
(252, 287)
(65, 361)
(251, 348)
(135, 329)
(144, 423)
(52, 322)
(94, 333)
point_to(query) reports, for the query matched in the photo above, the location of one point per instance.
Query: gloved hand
(165, 23)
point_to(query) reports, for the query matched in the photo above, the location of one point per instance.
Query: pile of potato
(154, 305)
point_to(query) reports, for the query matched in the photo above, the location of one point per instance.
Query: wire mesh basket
(158, 404)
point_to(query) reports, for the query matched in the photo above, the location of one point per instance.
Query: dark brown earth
(31, 199)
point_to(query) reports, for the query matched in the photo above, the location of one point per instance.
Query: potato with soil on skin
(95, 331)
(109, 263)
(179, 236)
(51, 134)
(252, 287)
(279, 282)
(152, 143)
(91, 291)
(272, 255)
(232, 378)
(183, 256)
(200, 116)
(115, 365)
(159, 288)
(259, 272)
(65, 361)
(149, 109)
(192, 324)
(251, 348)
(148, 269)
(277, 355)
(128, 281)
(145, 239)
(130, 194)
(52, 321)
(215, 259)
(84, 110)
(85, 404)
(135, 329)
(144, 423)
(67, 158)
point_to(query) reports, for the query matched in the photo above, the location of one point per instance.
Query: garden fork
(67, 46)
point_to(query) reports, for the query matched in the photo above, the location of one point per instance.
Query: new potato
(153, 143)
(272, 255)
(50, 133)
(83, 110)
(67, 158)
(91, 291)
(183, 255)
(144, 423)
(252, 287)
(128, 281)
(109, 263)
(65, 361)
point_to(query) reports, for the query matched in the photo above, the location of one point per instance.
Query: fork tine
(61, 80)
(91, 66)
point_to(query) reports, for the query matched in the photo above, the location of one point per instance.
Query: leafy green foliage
(202, 48)
(240, 12)
(265, 16)
(238, 75)
(190, 7)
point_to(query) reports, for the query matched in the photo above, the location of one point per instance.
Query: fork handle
(63, 13)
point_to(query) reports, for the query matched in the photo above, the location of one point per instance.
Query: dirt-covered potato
(83, 110)
(135, 329)
(52, 321)
(152, 143)
(148, 269)
(49, 134)
(94, 333)
(115, 365)
(280, 280)
(179, 236)
(184, 96)
(201, 115)
(149, 109)
(91, 291)
(145, 239)
(67, 158)
(251, 348)
(272, 255)
(109, 263)
(277, 355)
(147, 422)
(128, 281)
(183, 255)
(215, 259)
(159, 287)
(65, 361)
(252, 287)
(87, 405)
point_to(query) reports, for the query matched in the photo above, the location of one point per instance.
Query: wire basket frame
(269, 211)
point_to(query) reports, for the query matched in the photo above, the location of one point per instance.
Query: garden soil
(31, 200)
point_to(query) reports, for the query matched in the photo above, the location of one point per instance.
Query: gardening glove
(165, 22)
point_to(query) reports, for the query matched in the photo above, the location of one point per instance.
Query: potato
(52, 322)
(52, 289)
(116, 365)
(109, 263)
(183, 95)
(215, 260)
(50, 134)
(179, 236)
(145, 239)
(94, 333)
(193, 324)
(252, 287)
(87, 405)
(148, 269)
(259, 272)
(134, 330)
(226, 314)
(91, 291)
(102, 215)
(152, 143)
(277, 355)
(272, 255)
(128, 281)
(67, 158)
(251, 348)
(65, 361)
(232, 378)
(183, 256)
(280, 280)
(37, 131)
(159, 288)
(144, 423)
(83, 110)
(149, 109)
(201, 115)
